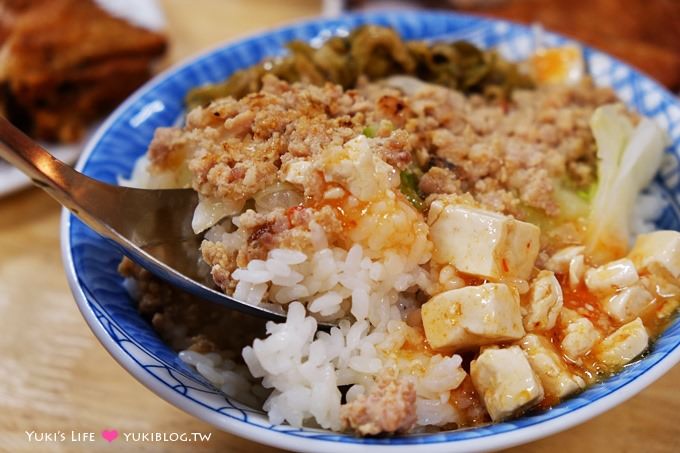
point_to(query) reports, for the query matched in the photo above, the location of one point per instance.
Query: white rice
(304, 368)
(229, 377)
(331, 282)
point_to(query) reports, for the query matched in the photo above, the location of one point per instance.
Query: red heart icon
(109, 435)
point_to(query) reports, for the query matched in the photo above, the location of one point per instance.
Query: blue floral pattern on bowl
(91, 261)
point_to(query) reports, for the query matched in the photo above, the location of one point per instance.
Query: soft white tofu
(358, 169)
(612, 276)
(295, 171)
(482, 243)
(579, 334)
(544, 302)
(628, 303)
(577, 269)
(560, 261)
(657, 251)
(622, 346)
(505, 381)
(472, 316)
(661, 286)
(546, 362)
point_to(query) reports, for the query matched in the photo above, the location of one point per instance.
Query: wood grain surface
(55, 376)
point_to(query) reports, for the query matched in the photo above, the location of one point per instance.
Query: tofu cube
(472, 316)
(628, 303)
(622, 346)
(546, 362)
(560, 261)
(612, 276)
(657, 251)
(482, 243)
(579, 334)
(544, 302)
(505, 381)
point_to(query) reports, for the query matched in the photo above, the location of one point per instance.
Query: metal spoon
(153, 227)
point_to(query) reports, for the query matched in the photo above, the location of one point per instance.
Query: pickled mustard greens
(376, 52)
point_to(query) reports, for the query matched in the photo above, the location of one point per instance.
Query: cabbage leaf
(210, 211)
(628, 158)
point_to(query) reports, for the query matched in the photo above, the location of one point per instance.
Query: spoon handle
(87, 198)
(45, 170)
(122, 214)
(96, 203)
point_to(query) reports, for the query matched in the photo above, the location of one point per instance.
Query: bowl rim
(282, 439)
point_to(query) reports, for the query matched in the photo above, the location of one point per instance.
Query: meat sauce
(347, 208)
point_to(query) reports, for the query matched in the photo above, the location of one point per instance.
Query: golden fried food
(67, 62)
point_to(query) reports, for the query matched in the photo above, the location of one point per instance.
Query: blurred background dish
(66, 63)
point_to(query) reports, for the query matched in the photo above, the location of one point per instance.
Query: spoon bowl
(153, 227)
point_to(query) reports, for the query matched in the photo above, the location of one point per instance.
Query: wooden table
(54, 375)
